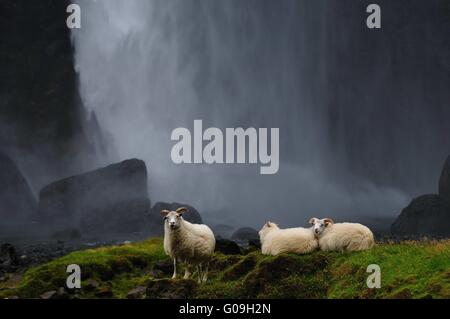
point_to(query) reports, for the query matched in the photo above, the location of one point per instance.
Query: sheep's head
(173, 219)
(319, 225)
(266, 228)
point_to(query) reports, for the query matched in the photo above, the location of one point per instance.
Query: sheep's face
(173, 219)
(319, 225)
(266, 228)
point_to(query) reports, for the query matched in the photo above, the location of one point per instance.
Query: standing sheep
(275, 241)
(341, 236)
(192, 244)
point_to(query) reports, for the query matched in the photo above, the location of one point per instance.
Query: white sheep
(341, 236)
(184, 242)
(275, 241)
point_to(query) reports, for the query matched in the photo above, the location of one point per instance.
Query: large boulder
(444, 182)
(113, 199)
(427, 215)
(8, 257)
(156, 224)
(17, 203)
(227, 247)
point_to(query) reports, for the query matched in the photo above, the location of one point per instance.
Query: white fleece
(190, 243)
(275, 241)
(346, 236)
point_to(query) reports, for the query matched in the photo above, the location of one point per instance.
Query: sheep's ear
(181, 210)
(312, 221)
(164, 212)
(328, 221)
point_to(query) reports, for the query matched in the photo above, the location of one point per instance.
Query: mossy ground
(408, 270)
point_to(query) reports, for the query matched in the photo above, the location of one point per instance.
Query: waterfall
(148, 67)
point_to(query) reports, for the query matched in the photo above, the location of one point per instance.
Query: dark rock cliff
(43, 124)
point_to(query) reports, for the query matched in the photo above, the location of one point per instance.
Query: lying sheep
(341, 236)
(192, 244)
(275, 241)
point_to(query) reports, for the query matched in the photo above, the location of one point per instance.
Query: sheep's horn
(312, 221)
(164, 212)
(328, 221)
(181, 210)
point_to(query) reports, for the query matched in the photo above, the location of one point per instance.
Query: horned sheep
(341, 236)
(184, 242)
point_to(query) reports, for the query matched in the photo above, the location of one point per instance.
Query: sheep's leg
(174, 268)
(205, 273)
(200, 273)
(187, 272)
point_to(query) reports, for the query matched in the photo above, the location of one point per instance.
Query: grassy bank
(408, 270)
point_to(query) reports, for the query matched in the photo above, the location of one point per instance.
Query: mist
(148, 67)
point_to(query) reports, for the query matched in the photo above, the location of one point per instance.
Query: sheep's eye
(166, 218)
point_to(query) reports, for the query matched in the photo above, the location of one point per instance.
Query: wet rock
(113, 199)
(227, 247)
(91, 285)
(170, 289)
(52, 294)
(61, 293)
(427, 215)
(166, 267)
(9, 259)
(156, 273)
(136, 293)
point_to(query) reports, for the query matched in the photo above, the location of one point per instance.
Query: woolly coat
(190, 243)
(298, 240)
(346, 236)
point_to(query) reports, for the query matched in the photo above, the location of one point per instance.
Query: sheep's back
(292, 240)
(347, 236)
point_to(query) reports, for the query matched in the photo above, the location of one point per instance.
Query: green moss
(408, 270)
(119, 267)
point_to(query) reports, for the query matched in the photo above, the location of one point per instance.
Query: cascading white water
(148, 67)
